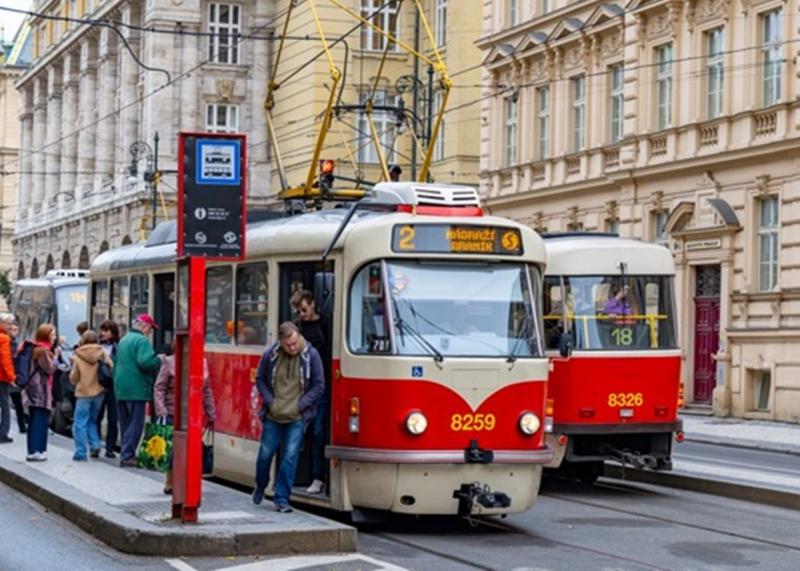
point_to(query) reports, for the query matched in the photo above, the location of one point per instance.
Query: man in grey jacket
(291, 383)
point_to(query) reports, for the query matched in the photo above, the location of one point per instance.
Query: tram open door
(312, 277)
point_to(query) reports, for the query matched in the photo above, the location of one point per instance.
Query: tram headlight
(529, 423)
(416, 423)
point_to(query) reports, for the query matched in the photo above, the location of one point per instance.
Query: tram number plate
(472, 422)
(625, 399)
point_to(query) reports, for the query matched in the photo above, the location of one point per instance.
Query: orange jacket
(7, 374)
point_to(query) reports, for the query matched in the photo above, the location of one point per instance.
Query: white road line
(299, 562)
(761, 467)
(180, 565)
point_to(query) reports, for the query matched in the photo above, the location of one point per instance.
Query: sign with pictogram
(212, 195)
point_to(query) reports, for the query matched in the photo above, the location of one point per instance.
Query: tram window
(368, 328)
(139, 295)
(251, 304)
(100, 302)
(219, 304)
(120, 300)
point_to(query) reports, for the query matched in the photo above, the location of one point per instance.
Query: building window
(761, 381)
(386, 20)
(664, 86)
(617, 101)
(513, 13)
(612, 225)
(511, 130)
(438, 149)
(715, 61)
(545, 4)
(660, 235)
(222, 118)
(441, 22)
(224, 25)
(575, 227)
(385, 124)
(772, 25)
(768, 243)
(543, 122)
(578, 112)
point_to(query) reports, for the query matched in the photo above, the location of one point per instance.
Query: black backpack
(23, 364)
(105, 375)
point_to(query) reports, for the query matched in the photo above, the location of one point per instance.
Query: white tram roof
(308, 233)
(585, 254)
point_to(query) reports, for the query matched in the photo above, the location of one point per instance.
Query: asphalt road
(612, 525)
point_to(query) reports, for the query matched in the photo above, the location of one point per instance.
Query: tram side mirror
(565, 345)
(323, 292)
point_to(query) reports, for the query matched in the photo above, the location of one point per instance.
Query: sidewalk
(755, 434)
(127, 509)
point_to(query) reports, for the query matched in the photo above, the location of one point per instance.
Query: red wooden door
(706, 331)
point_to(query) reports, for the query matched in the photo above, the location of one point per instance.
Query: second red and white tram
(617, 396)
(438, 373)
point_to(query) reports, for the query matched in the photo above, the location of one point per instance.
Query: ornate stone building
(95, 94)
(669, 121)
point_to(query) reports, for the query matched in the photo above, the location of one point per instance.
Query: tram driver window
(219, 304)
(554, 309)
(251, 304)
(368, 328)
(120, 300)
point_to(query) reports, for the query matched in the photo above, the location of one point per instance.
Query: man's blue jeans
(131, 423)
(319, 439)
(84, 427)
(290, 438)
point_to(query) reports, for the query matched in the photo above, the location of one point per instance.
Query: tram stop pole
(187, 440)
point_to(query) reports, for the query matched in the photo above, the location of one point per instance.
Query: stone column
(88, 116)
(53, 159)
(129, 81)
(38, 165)
(26, 158)
(69, 126)
(107, 128)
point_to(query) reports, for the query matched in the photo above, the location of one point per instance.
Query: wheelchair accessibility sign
(217, 162)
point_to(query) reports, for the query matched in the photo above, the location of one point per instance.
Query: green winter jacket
(135, 366)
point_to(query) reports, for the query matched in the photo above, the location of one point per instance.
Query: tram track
(664, 519)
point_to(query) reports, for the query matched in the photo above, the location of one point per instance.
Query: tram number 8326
(470, 422)
(625, 399)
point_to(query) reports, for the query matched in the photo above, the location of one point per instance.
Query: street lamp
(138, 150)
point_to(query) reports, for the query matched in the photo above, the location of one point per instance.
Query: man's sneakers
(282, 508)
(258, 496)
(95, 453)
(36, 457)
(110, 454)
(80, 459)
(316, 487)
(6, 439)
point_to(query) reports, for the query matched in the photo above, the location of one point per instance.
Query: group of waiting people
(291, 379)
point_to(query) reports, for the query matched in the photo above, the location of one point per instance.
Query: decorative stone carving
(539, 69)
(762, 183)
(573, 57)
(225, 87)
(611, 45)
(659, 25)
(710, 9)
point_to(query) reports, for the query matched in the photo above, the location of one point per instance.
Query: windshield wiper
(402, 326)
(512, 356)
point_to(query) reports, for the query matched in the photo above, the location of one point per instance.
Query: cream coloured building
(88, 108)
(300, 101)
(669, 121)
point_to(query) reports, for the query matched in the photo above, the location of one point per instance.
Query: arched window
(21, 270)
(103, 246)
(83, 260)
(126, 241)
(35, 268)
(50, 264)
(66, 260)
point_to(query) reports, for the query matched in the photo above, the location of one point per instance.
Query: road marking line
(180, 565)
(300, 562)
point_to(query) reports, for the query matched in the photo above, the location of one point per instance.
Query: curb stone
(124, 532)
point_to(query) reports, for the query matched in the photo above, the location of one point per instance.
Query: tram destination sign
(456, 239)
(211, 195)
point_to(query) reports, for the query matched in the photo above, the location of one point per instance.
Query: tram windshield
(71, 310)
(610, 313)
(446, 309)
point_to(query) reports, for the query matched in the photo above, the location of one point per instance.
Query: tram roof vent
(51, 274)
(422, 194)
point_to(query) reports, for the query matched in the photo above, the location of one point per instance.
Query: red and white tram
(438, 370)
(617, 396)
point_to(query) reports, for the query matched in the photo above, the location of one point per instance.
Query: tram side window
(251, 304)
(120, 299)
(139, 295)
(100, 302)
(554, 309)
(369, 327)
(219, 304)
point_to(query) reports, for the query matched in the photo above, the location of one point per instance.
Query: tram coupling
(635, 459)
(473, 454)
(475, 494)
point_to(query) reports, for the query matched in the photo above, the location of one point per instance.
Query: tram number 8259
(470, 422)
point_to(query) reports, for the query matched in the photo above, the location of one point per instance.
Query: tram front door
(163, 312)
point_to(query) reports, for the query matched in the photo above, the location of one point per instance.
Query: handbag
(105, 375)
(208, 451)
(155, 451)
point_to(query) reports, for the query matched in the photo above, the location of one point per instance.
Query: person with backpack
(87, 362)
(15, 390)
(109, 338)
(38, 388)
(7, 377)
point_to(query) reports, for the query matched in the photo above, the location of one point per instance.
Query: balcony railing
(766, 124)
(611, 157)
(537, 173)
(709, 135)
(573, 165)
(658, 145)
